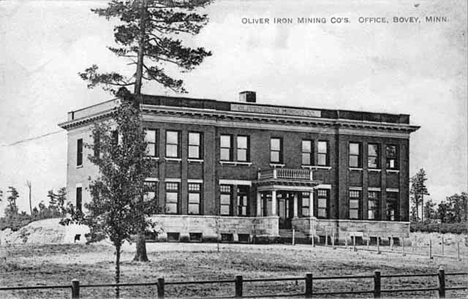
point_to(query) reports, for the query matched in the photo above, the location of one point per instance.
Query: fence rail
(308, 292)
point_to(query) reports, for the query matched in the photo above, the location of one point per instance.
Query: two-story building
(242, 170)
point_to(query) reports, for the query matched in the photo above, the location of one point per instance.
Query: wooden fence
(458, 250)
(308, 292)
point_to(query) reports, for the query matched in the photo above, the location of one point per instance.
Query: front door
(285, 209)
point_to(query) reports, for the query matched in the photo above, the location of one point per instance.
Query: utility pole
(28, 183)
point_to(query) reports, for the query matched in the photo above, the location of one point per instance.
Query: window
(373, 156)
(373, 199)
(150, 196)
(322, 203)
(243, 200)
(151, 146)
(354, 155)
(226, 148)
(79, 199)
(276, 154)
(391, 155)
(392, 206)
(305, 204)
(97, 144)
(354, 199)
(243, 148)
(172, 144)
(79, 152)
(115, 137)
(151, 191)
(265, 198)
(194, 198)
(225, 200)
(322, 155)
(307, 152)
(172, 198)
(194, 147)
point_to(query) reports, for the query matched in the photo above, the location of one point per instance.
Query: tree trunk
(141, 255)
(422, 204)
(117, 271)
(141, 44)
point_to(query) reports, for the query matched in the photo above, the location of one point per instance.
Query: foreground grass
(28, 265)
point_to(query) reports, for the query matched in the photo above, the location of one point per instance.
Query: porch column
(273, 203)
(311, 203)
(295, 206)
(259, 204)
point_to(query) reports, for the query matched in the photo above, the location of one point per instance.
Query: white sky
(416, 68)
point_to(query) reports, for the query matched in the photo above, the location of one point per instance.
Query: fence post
(75, 289)
(441, 282)
(160, 287)
(391, 242)
(346, 240)
(458, 250)
(294, 236)
(354, 242)
(378, 245)
(403, 246)
(430, 249)
(238, 283)
(442, 245)
(333, 240)
(377, 285)
(326, 237)
(309, 285)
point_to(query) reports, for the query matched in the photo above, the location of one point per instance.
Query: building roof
(216, 108)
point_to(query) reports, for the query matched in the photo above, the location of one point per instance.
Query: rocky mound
(47, 231)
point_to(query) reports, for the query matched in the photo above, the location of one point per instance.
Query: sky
(417, 68)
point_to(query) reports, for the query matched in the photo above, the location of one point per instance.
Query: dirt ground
(29, 265)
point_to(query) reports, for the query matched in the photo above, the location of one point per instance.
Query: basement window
(227, 238)
(244, 238)
(195, 237)
(173, 237)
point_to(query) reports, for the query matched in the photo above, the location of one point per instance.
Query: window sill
(276, 165)
(153, 158)
(79, 166)
(375, 169)
(355, 169)
(235, 163)
(173, 159)
(195, 160)
(316, 167)
(393, 170)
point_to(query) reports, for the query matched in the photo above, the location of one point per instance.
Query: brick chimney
(248, 96)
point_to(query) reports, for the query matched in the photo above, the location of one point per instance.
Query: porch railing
(285, 173)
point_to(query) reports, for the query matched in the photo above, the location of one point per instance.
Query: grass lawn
(29, 265)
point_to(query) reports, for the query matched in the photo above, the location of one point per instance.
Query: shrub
(454, 228)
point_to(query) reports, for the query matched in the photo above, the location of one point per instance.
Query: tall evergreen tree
(418, 190)
(12, 208)
(146, 35)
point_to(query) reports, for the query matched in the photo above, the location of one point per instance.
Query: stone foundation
(213, 228)
(198, 228)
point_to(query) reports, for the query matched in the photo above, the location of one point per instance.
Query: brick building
(242, 170)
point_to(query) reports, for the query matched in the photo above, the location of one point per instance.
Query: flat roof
(245, 107)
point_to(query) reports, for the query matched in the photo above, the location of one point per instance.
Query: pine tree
(146, 36)
(418, 190)
(12, 208)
